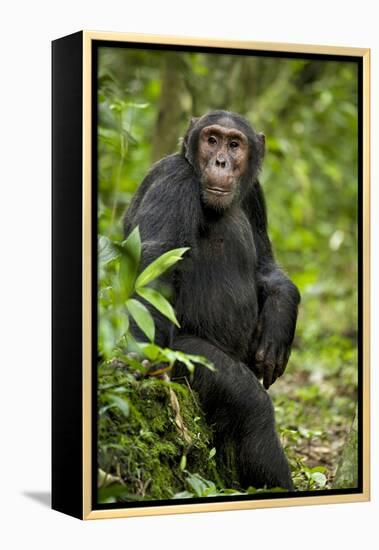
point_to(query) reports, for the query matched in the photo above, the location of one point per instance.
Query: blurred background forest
(308, 111)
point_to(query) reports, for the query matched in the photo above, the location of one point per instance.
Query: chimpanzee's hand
(272, 352)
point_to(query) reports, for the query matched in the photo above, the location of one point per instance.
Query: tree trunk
(347, 471)
(173, 110)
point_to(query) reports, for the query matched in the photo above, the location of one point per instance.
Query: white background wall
(27, 29)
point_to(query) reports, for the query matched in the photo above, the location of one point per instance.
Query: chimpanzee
(234, 304)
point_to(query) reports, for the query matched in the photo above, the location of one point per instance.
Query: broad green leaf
(189, 360)
(104, 478)
(121, 403)
(106, 250)
(321, 469)
(159, 266)
(111, 329)
(129, 262)
(142, 317)
(166, 355)
(212, 453)
(159, 302)
(183, 463)
(152, 351)
(107, 338)
(113, 493)
(105, 296)
(201, 486)
(197, 485)
(319, 478)
(183, 494)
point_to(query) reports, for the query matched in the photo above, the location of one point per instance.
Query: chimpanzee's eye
(234, 144)
(212, 140)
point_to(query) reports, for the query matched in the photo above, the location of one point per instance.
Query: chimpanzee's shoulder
(172, 165)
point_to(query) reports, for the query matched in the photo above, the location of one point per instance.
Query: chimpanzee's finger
(261, 353)
(280, 365)
(258, 369)
(267, 375)
(269, 368)
(258, 330)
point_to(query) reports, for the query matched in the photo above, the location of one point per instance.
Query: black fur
(233, 303)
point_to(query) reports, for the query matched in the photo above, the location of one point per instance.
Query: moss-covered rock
(152, 436)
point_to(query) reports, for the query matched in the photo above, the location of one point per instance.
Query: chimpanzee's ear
(185, 142)
(262, 144)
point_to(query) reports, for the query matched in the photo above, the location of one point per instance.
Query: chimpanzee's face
(223, 153)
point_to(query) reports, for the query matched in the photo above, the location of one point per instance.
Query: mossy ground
(148, 446)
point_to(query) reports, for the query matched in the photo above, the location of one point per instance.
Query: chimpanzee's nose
(220, 162)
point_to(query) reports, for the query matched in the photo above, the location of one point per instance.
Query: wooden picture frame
(75, 337)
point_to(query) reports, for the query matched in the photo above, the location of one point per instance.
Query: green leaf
(142, 317)
(183, 494)
(159, 302)
(106, 336)
(113, 493)
(166, 355)
(189, 359)
(132, 245)
(106, 250)
(120, 403)
(212, 453)
(159, 266)
(137, 105)
(201, 486)
(104, 478)
(319, 478)
(183, 463)
(321, 469)
(197, 485)
(152, 351)
(129, 262)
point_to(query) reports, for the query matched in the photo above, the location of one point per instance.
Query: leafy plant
(120, 282)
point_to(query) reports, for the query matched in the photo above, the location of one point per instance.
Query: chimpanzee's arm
(163, 209)
(278, 298)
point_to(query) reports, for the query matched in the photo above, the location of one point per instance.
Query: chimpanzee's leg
(241, 410)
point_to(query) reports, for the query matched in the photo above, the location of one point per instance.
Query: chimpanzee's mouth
(218, 191)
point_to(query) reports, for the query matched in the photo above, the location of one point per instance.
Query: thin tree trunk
(173, 110)
(347, 471)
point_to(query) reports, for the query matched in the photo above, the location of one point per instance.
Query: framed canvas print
(210, 275)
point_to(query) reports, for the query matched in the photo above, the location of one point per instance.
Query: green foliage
(119, 280)
(308, 112)
(159, 266)
(159, 302)
(141, 447)
(158, 355)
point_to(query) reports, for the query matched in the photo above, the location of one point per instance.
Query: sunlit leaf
(319, 478)
(159, 302)
(106, 251)
(110, 494)
(120, 402)
(183, 462)
(129, 262)
(152, 351)
(142, 317)
(137, 105)
(159, 266)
